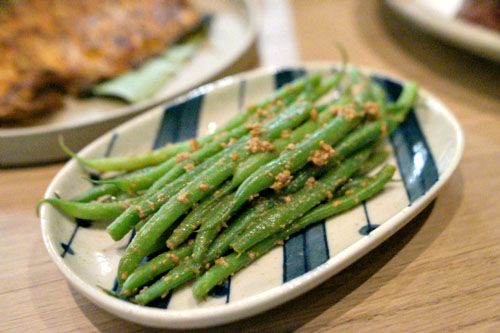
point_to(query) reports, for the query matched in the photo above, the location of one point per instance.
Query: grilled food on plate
(50, 47)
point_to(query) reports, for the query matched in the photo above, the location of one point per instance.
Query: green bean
(176, 277)
(379, 95)
(150, 203)
(96, 192)
(219, 215)
(156, 266)
(196, 217)
(169, 170)
(236, 261)
(359, 194)
(300, 203)
(138, 181)
(197, 157)
(245, 220)
(404, 103)
(363, 84)
(377, 158)
(189, 269)
(245, 169)
(348, 145)
(87, 210)
(296, 158)
(191, 193)
(129, 163)
(210, 228)
(408, 97)
(215, 219)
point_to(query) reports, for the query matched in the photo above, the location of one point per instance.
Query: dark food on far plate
(483, 12)
(51, 47)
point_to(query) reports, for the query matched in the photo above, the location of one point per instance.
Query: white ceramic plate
(231, 34)
(427, 149)
(440, 19)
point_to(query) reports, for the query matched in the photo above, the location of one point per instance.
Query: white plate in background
(427, 149)
(231, 33)
(440, 19)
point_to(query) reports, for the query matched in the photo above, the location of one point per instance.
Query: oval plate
(231, 33)
(427, 148)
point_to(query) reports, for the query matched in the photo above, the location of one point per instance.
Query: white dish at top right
(441, 19)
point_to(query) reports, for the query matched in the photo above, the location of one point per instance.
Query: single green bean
(87, 210)
(96, 192)
(138, 181)
(129, 163)
(404, 103)
(377, 158)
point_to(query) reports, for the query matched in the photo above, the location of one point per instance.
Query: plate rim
(481, 41)
(249, 306)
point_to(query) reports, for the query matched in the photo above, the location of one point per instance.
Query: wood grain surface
(439, 273)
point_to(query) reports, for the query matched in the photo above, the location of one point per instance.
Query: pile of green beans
(209, 207)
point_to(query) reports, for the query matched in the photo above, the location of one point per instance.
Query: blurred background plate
(229, 47)
(440, 19)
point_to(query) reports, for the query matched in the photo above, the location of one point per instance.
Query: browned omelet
(52, 47)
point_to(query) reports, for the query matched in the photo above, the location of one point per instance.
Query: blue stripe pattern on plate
(415, 160)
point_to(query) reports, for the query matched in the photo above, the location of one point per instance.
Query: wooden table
(439, 273)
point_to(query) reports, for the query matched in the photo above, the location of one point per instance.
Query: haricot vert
(205, 208)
